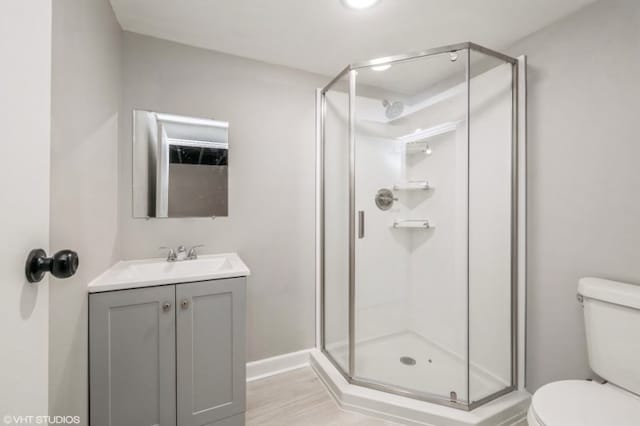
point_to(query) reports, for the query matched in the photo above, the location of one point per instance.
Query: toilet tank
(612, 325)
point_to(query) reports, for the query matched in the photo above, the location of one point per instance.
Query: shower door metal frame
(350, 72)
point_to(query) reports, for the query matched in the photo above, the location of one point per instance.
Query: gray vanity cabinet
(171, 355)
(132, 361)
(211, 351)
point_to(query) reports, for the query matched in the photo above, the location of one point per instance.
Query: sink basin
(149, 272)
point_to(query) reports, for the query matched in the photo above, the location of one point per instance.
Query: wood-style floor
(298, 398)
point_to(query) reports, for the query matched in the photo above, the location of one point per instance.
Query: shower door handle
(361, 224)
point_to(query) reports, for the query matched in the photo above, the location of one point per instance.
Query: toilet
(612, 323)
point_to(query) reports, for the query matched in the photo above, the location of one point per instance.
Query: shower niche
(418, 299)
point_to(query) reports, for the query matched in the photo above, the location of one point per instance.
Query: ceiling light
(381, 67)
(359, 4)
(380, 64)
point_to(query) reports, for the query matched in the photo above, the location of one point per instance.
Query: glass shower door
(410, 239)
(335, 223)
(418, 287)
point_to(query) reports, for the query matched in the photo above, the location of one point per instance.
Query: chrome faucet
(181, 253)
(171, 257)
(193, 254)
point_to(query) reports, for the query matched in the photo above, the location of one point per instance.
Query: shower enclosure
(418, 229)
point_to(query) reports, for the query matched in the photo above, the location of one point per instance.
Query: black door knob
(63, 264)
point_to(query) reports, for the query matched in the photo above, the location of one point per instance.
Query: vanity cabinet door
(211, 352)
(132, 357)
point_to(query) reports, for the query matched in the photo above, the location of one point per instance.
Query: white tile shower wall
(271, 112)
(437, 265)
(438, 280)
(490, 223)
(438, 257)
(382, 257)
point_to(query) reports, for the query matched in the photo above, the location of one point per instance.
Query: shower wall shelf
(413, 185)
(422, 135)
(412, 223)
(420, 147)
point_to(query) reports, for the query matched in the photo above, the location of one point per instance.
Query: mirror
(180, 166)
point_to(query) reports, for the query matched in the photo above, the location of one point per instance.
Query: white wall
(583, 175)
(86, 87)
(25, 113)
(271, 111)
(382, 256)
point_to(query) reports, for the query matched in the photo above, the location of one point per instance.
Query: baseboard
(277, 364)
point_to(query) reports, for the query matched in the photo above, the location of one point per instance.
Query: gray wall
(271, 111)
(86, 87)
(583, 181)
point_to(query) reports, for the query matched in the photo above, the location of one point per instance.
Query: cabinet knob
(184, 303)
(166, 306)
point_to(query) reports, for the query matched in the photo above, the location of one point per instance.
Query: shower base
(379, 362)
(436, 371)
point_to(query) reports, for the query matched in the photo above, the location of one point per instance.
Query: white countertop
(149, 272)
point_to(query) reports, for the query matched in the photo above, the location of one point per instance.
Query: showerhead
(393, 109)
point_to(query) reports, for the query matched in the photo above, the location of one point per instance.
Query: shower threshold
(509, 409)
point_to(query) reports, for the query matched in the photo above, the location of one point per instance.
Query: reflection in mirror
(180, 166)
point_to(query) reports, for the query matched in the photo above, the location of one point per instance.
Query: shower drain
(407, 360)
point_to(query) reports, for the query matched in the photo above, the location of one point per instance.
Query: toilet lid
(585, 403)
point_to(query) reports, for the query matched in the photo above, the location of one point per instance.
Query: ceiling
(323, 36)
